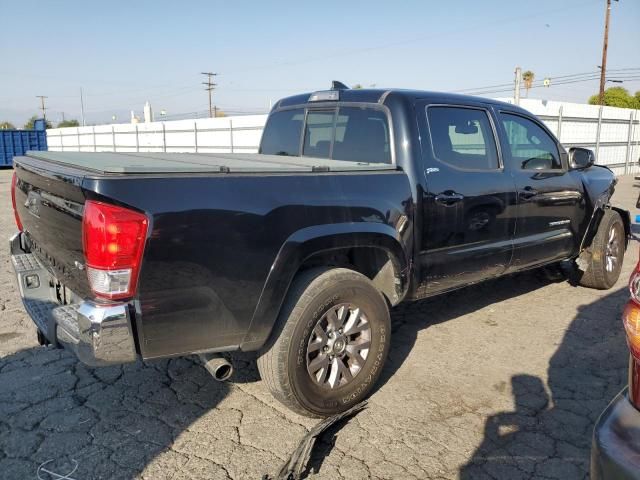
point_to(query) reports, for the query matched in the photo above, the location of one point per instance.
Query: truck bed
(149, 163)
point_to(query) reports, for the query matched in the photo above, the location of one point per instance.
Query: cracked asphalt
(500, 380)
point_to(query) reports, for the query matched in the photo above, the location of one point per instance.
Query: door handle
(449, 198)
(528, 192)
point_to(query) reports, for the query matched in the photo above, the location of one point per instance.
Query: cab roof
(378, 95)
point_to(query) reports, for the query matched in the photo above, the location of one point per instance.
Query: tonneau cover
(146, 163)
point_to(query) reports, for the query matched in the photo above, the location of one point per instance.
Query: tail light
(14, 181)
(113, 238)
(634, 284)
(631, 321)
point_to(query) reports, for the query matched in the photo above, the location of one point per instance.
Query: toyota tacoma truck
(357, 200)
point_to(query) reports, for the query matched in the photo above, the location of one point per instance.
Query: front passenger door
(550, 200)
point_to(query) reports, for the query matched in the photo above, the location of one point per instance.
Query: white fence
(614, 133)
(222, 135)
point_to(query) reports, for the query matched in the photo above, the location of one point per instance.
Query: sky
(122, 53)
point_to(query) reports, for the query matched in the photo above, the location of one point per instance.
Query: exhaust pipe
(220, 368)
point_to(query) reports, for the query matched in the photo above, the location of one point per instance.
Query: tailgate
(49, 201)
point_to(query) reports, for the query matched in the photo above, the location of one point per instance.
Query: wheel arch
(373, 249)
(626, 220)
(596, 218)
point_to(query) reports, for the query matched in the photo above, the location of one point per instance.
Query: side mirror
(580, 158)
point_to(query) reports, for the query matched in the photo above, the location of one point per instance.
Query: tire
(607, 253)
(296, 345)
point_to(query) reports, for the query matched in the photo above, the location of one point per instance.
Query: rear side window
(463, 138)
(359, 134)
(282, 133)
(531, 147)
(362, 134)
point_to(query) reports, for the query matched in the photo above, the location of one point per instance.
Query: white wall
(226, 134)
(607, 130)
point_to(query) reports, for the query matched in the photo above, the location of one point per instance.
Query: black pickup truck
(358, 200)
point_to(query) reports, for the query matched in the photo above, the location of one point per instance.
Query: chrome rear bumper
(99, 334)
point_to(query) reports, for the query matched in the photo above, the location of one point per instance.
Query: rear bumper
(615, 452)
(99, 334)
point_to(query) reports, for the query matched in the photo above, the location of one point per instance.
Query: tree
(31, 122)
(357, 86)
(7, 126)
(617, 97)
(68, 123)
(527, 78)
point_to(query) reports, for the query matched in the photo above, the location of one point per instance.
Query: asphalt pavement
(503, 380)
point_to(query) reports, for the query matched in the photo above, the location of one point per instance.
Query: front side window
(282, 133)
(531, 147)
(463, 138)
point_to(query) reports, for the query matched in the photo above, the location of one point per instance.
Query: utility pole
(603, 67)
(209, 86)
(42, 107)
(81, 107)
(516, 89)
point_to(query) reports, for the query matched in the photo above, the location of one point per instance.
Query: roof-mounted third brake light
(325, 96)
(332, 95)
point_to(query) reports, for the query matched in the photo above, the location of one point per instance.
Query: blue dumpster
(17, 142)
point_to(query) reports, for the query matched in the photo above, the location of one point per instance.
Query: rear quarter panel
(214, 239)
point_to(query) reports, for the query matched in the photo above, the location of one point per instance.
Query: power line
(541, 85)
(437, 36)
(623, 71)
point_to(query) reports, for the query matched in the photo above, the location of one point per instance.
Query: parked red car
(615, 453)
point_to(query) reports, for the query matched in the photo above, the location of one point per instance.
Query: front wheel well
(592, 228)
(626, 220)
(377, 264)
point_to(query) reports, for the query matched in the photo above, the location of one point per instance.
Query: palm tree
(527, 78)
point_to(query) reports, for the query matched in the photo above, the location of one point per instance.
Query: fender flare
(594, 224)
(310, 241)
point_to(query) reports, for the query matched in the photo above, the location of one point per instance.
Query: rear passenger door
(468, 202)
(550, 201)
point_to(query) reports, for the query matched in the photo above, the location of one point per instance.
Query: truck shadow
(410, 318)
(548, 434)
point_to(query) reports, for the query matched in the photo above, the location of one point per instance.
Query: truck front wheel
(329, 344)
(607, 253)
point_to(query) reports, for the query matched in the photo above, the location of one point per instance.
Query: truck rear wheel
(329, 344)
(607, 253)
